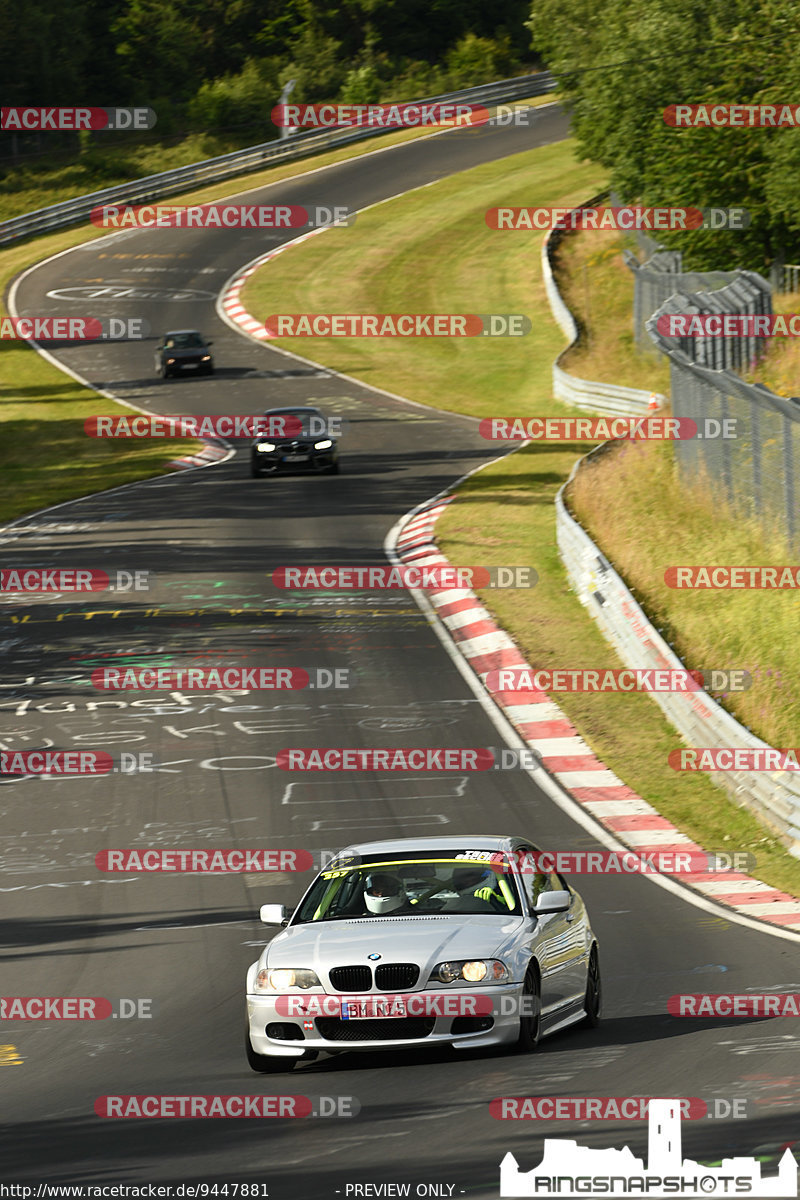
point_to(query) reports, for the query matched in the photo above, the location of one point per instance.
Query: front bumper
(298, 1033)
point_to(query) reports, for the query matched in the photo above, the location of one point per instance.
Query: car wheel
(265, 1063)
(254, 471)
(531, 1017)
(594, 991)
(333, 469)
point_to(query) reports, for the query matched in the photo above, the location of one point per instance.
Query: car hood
(186, 351)
(422, 940)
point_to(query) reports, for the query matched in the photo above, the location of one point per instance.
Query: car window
(184, 341)
(408, 887)
(538, 882)
(304, 416)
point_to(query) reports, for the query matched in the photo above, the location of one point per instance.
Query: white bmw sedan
(423, 942)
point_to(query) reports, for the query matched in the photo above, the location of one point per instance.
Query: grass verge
(430, 251)
(45, 457)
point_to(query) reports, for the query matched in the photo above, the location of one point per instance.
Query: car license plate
(373, 1008)
(295, 457)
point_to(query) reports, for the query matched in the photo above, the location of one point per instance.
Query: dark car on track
(307, 447)
(182, 349)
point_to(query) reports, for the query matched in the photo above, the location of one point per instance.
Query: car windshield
(390, 886)
(312, 422)
(183, 341)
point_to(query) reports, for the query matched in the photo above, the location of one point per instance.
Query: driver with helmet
(385, 893)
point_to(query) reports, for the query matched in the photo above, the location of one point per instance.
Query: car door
(559, 942)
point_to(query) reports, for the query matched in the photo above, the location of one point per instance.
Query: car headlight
(206, 358)
(324, 445)
(283, 978)
(265, 447)
(170, 360)
(480, 970)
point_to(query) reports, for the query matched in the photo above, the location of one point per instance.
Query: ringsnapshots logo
(42, 120)
(623, 219)
(728, 116)
(567, 1169)
(378, 116)
(220, 216)
(398, 325)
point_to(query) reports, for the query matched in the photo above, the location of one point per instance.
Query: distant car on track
(182, 349)
(313, 448)
(423, 942)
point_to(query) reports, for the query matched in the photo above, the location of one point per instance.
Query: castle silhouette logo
(568, 1169)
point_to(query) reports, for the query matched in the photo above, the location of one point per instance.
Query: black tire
(333, 469)
(164, 372)
(530, 1025)
(265, 1064)
(593, 1002)
(254, 471)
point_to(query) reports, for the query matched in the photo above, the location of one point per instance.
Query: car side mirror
(549, 902)
(274, 914)
(209, 342)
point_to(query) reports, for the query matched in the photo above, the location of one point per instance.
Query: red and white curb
(231, 303)
(564, 754)
(211, 453)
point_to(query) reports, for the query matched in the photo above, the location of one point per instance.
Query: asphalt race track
(211, 538)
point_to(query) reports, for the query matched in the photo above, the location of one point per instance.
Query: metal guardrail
(589, 395)
(241, 162)
(774, 798)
